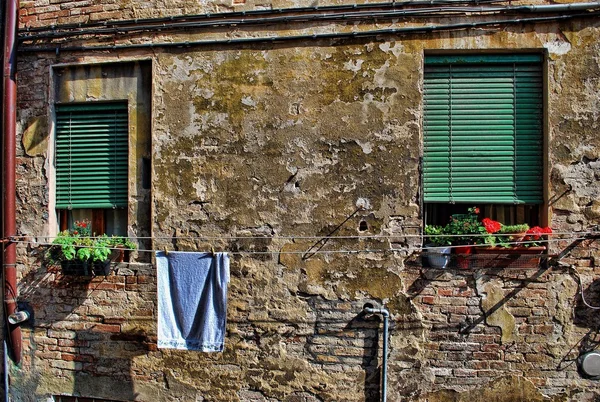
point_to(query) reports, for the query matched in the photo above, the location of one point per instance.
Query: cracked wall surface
(265, 150)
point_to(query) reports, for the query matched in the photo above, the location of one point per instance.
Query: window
(92, 165)
(483, 136)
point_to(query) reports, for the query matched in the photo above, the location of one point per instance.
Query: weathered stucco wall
(283, 143)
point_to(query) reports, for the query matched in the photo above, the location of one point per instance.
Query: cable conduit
(336, 35)
(62, 32)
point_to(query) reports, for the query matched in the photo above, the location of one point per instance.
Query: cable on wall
(306, 37)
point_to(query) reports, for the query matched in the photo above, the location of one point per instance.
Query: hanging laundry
(192, 300)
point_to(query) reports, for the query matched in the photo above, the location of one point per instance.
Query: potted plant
(438, 249)
(78, 253)
(121, 247)
(514, 245)
(466, 230)
(504, 245)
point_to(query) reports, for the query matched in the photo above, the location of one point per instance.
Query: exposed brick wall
(90, 325)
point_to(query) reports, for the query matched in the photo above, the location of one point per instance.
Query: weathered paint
(286, 140)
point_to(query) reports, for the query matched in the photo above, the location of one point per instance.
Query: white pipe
(386, 315)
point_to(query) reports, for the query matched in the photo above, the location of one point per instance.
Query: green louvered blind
(91, 155)
(483, 129)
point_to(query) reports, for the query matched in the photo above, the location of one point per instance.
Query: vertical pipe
(8, 174)
(386, 315)
(6, 395)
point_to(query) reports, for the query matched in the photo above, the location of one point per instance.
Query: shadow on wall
(586, 314)
(76, 343)
(587, 306)
(341, 337)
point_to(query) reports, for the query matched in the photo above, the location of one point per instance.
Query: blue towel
(192, 300)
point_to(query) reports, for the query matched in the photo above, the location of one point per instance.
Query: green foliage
(76, 244)
(511, 233)
(121, 241)
(436, 236)
(466, 229)
(514, 229)
(467, 225)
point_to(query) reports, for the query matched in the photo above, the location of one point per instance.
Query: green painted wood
(91, 155)
(483, 129)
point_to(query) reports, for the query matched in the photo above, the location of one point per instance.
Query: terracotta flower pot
(511, 257)
(462, 256)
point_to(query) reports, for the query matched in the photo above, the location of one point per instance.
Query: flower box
(511, 257)
(75, 267)
(101, 268)
(85, 268)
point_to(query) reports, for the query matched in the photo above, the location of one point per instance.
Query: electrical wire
(576, 274)
(59, 32)
(280, 11)
(305, 37)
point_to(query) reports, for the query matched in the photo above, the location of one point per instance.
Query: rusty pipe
(9, 117)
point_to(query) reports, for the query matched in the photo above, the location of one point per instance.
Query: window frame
(543, 215)
(115, 155)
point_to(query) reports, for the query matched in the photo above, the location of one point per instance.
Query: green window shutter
(483, 129)
(91, 155)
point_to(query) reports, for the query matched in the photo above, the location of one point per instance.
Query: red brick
(48, 16)
(492, 347)
(68, 357)
(28, 20)
(477, 365)
(486, 356)
(428, 300)
(106, 286)
(114, 320)
(84, 358)
(107, 328)
(73, 343)
(499, 365)
(445, 291)
(543, 329)
(143, 279)
(465, 373)
(91, 9)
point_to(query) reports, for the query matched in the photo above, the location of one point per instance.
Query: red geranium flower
(536, 232)
(490, 225)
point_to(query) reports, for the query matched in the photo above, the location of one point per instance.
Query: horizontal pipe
(279, 11)
(281, 39)
(112, 28)
(372, 310)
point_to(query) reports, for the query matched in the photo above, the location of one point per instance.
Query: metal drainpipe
(9, 156)
(386, 315)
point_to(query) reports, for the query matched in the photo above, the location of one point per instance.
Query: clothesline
(322, 237)
(343, 251)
